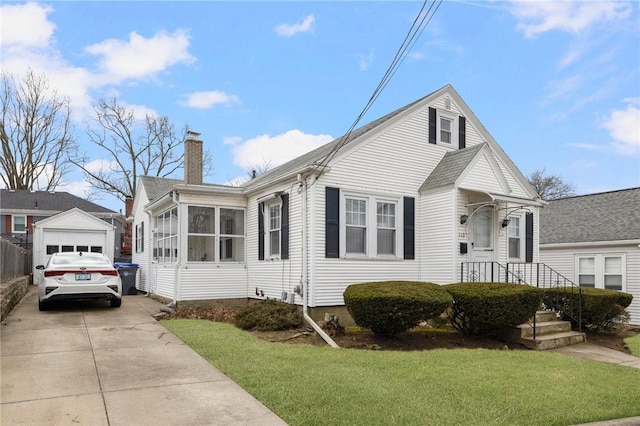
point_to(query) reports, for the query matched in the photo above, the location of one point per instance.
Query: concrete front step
(546, 316)
(551, 341)
(550, 333)
(544, 328)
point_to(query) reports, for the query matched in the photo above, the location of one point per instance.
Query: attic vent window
(447, 103)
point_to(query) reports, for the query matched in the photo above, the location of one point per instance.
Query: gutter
(305, 281)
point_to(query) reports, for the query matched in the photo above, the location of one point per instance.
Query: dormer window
(447, 129)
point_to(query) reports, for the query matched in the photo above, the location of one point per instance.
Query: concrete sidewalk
(90, 364)
(599, 353)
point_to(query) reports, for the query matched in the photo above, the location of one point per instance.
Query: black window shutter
(409, 228)
(432, 125)
(462, 132)
(284, 228)
(260, 231)
(528, 242)
(142, 237)
(137, 241)
(332, 223)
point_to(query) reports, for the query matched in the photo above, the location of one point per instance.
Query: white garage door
(61, 241)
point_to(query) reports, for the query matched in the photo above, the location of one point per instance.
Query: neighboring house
(21, 209)
(414, 195)
(594, 240)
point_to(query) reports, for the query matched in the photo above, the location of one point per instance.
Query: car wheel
(43, 306)
(115, 303)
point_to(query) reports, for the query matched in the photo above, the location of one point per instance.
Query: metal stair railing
(568, 295)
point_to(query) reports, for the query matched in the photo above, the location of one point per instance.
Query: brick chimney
(192, 159)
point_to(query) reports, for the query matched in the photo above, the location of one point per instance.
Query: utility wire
(414, 33)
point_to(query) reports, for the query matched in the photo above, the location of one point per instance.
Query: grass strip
(634, 344)
(313, 385)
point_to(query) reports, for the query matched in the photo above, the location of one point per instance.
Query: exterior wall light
(463, 219)
(505, 222)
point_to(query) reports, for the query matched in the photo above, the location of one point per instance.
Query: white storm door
(482, 244)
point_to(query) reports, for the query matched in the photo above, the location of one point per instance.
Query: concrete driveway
(90, 364)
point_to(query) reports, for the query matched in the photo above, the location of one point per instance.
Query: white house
(72, 230)
(594, 240)
(414, 195)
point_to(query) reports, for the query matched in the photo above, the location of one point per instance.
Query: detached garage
(72, 230)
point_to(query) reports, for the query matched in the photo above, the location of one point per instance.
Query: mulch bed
(421, 338)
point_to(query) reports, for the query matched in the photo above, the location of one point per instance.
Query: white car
(79, 276)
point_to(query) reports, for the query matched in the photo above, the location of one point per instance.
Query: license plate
(83, 277)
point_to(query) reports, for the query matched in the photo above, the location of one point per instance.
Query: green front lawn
(313, 385)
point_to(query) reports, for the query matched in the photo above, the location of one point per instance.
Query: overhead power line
(418, 26)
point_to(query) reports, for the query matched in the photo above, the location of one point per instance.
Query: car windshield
(85, 259)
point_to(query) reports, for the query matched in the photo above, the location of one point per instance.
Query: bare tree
(253, 171)
(133, 148)
(36, 133)
(550, 187)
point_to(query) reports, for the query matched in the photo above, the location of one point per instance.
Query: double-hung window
(514, 234)
(19, 224)
(613, 272)
(601, 271)
(370, 227)
(446, 130)
(140, 238)
(356, 225)
(386, 218)
(275, 224)
(587, 272)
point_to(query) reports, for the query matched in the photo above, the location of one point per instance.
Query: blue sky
(556, 83)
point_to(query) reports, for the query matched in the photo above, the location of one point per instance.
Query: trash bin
(127, 273)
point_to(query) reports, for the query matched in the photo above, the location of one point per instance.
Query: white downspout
(305, 280)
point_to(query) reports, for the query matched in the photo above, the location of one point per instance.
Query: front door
(482, 244)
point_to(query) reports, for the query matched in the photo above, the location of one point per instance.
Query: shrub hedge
(392, 307)
(268, 315)
(601, 309)
(488, 308)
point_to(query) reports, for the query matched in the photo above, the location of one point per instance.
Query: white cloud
(26, 25)
(206, 100)
(588, 147)
(28, 42)
(275, 150)
(366, 61)
(232, 140)
(305, 25)
(141, 57)
(538, 17)
(624, 128)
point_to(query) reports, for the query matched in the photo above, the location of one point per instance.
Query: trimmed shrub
(489, 308)
(268, 315)
(601, 309)
(392, 307)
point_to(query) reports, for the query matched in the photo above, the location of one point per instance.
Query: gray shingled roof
(46, 201)
(451, 167)
(606, 216)
(157, 186)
